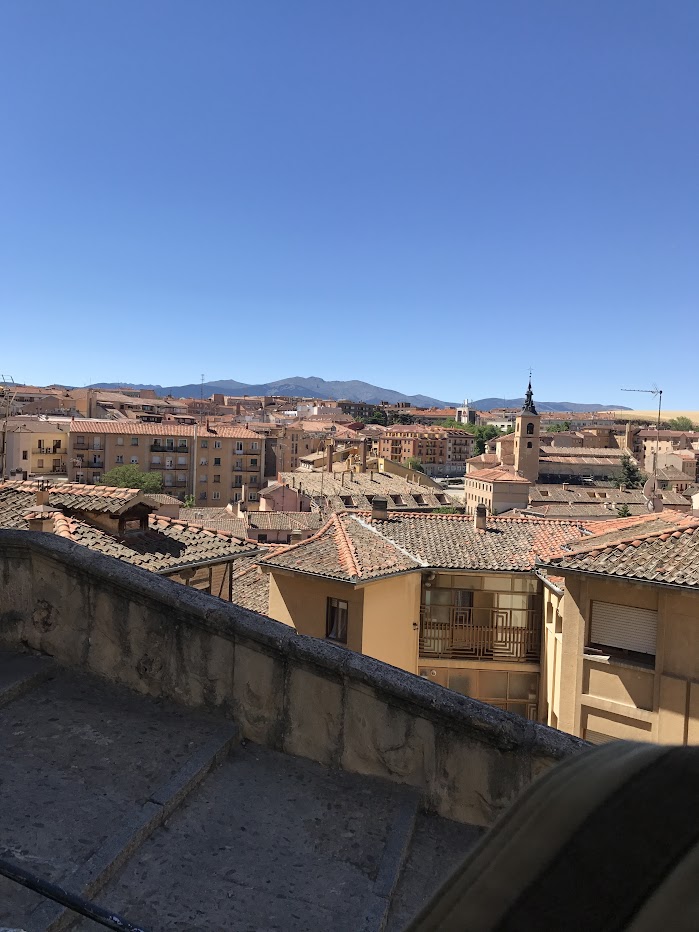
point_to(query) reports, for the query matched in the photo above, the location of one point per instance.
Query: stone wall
(296, 693)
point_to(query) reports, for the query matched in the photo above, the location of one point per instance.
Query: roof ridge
(396, 546)
(346, 550)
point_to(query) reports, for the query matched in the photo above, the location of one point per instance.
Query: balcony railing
(159, 448)
(481, 634)
(47, 451)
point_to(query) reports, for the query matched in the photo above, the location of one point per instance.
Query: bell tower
(527, 439)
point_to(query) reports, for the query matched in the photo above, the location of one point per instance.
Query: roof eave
(570, 571)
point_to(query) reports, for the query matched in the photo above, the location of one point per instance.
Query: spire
(528, 405)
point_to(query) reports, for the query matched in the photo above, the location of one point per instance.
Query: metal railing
(481, 634)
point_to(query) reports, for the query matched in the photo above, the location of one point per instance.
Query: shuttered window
(623, 627)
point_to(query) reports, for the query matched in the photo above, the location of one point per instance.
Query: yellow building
(622, 632)
(218, 464)
(35, 447)
(454, 599)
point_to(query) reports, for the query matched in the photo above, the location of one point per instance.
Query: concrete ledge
(289, 691)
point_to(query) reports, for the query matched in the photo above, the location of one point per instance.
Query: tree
(189, 501)
(484, 433)
(449, 510)
(405, 419)
(681, 423)
(414, 463)
(623, 511)
(131, 477)
(630, 475)
(556, 428)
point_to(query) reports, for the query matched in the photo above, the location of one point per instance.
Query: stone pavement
(161, 814)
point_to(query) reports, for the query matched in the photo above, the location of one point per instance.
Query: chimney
(564, 487)
(295, 537)
(329, 455)
(363, 466)
(379, 509)
(480, 518)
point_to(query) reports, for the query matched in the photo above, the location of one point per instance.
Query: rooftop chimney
(379, 509)
(329, 455)
(480, 518)
(363, 466)
(295, 537)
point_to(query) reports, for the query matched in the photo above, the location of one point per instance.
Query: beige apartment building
(451, 598)
(441, 450)
(214, 464)
(621, 632)
(498, 489)
(34, 447)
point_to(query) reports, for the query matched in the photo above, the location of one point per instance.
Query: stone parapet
(294, 693)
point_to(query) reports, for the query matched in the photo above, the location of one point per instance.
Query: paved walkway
(160, 814)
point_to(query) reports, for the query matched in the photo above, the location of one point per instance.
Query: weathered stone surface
(258, 694)
(165, 640)
(313, 728)
(385, 740)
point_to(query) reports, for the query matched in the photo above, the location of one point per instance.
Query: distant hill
(487, 404)
(297, 386)
(313, 387)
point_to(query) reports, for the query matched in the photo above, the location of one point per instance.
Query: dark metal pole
(79, 905)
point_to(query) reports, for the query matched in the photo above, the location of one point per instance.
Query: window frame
(334, 622)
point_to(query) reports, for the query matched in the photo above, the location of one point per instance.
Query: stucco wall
(302, 602)
(392, 620)
(621, 699)
(299, 694)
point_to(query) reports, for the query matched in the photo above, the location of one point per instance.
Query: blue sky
(428, 196)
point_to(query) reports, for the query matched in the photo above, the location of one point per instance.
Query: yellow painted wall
(616, 697)
(391, 620)
(301, 601)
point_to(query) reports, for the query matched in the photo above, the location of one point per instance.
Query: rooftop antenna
(651, 487)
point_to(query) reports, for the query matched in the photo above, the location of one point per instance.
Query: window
(134, 441)
(529, 445)
(202, 496)
(217, 477)
(119, 459)
(217, 461)
(25, 454)
(216, 495)
(254, 445)
(203, 461)
(40, 464)
(204, 444)
(530, 429)
(253, 461)
(262, 538)
(624, 630)
(181, 461)
(156, 461)
(336, 621)
(239, 446)
(217, 444)
(203, 478)
(120, 441)
(252, 497)
(134, 460)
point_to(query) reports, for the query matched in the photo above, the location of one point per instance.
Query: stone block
(258, 689)
(313, 716)
(385, 740)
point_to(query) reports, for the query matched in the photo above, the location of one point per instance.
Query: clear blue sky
(430, 196)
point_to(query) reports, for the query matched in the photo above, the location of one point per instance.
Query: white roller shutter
(624, 627)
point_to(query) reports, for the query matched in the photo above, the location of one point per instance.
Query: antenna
(8, 393)
(659, 392)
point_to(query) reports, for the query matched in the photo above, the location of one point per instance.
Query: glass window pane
(523, 686)
(492, 684)
(464, 682)
(497, 583)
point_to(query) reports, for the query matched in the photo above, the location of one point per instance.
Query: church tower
(527, 439)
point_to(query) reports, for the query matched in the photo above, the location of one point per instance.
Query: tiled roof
(346, 548)
(250, 585)
(452, 541)
(585, 511)
(128, 427)
(595, 452)
(163, 499)
(168, 544)
(284, 520)
(76, 496)
(497, 474)
(545, 493)
(354, 548)
(216, 518)
(360, 489)
(653, 550)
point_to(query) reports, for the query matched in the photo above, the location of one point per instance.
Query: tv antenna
(651, 486)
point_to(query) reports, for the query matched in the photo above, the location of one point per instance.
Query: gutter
(549, 585)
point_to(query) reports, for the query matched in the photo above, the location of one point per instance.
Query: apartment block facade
(215, 465)
(442, 451)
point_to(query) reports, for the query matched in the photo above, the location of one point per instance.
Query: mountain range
(352, 390)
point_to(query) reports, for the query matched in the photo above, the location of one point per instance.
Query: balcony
(94, 464)
(159, 448)
(482, 634)
(168, 466)
(47, 451)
